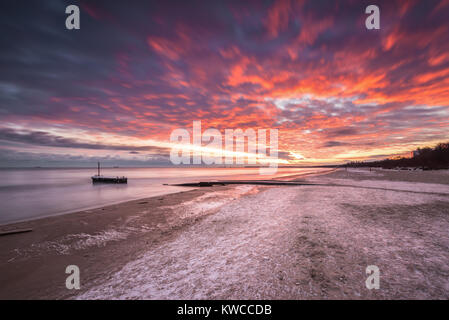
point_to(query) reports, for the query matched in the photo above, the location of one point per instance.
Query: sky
(115, 89)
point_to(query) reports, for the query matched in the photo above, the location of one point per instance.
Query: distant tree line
(425, 158)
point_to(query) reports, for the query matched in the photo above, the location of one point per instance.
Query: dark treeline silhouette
(425, 158)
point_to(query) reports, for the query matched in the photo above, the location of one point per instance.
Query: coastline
(7, 225)
(52, 193)
(286, 228)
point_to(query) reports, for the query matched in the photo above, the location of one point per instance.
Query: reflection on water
(32, 193)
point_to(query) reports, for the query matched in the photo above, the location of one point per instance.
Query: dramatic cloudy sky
(136, 70)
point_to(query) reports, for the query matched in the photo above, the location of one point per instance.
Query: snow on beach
(80, 241)
(300, 242)
(390, 185)
(210, 201)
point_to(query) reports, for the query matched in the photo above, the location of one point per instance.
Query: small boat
(98, 178)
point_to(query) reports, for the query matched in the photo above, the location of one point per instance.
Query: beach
(246, 242)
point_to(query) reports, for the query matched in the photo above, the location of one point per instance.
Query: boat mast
(98, 167)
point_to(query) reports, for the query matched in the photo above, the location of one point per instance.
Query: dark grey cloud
(285, 156)
(13, 159)
(341, 132)
(41, 138)
(330, 144)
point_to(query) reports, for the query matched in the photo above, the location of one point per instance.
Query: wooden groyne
(251, 182)
(15, 231)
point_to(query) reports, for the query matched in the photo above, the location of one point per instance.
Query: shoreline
(186, 188)
(6, 224)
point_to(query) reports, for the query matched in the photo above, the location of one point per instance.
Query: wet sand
(246, 242)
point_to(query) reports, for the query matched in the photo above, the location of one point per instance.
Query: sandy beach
(246, 242)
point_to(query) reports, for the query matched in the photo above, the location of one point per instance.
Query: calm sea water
(33, 193)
